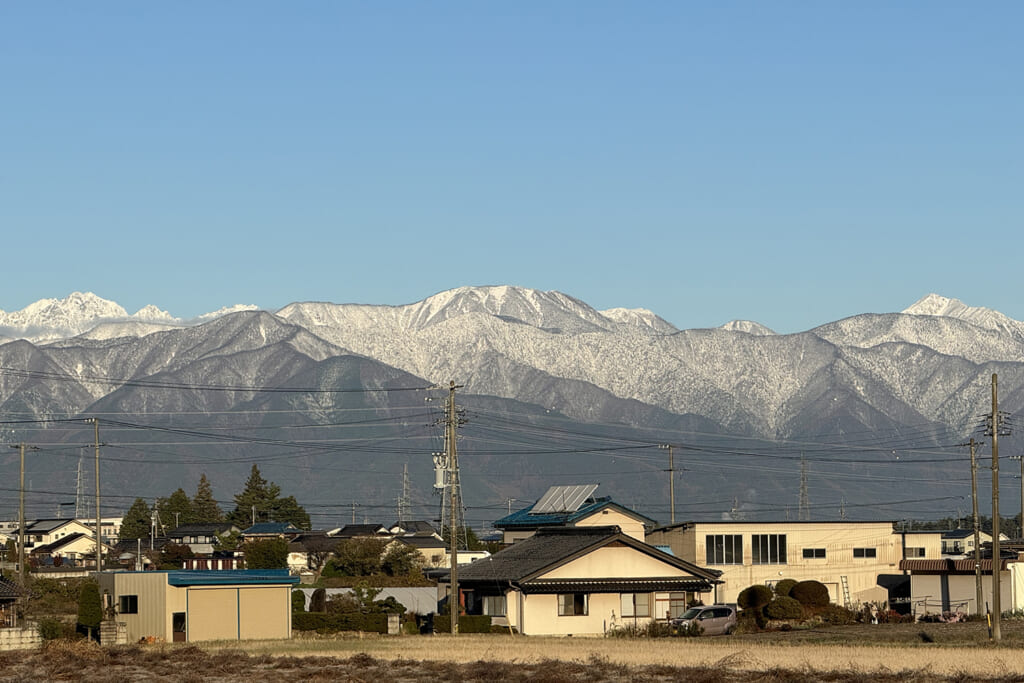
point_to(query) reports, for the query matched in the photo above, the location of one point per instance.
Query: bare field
(886, 654)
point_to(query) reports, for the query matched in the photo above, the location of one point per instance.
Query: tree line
(259, 501)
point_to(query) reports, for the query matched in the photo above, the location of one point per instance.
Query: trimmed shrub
(298, 601)
(784, 608)
(755, 597)
(90, 608)
(810, 594)
(835, 614)
(332, 623)
(784, 588)
(318, 601)
(52, 629)
(467, 623)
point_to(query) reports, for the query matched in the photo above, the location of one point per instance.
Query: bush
(784, 608)
(52, 629)
(784, 588)
(347, 621)
(90, 608)
(467, 623)
(834, 614)
(810, 594)
(755, 597)
(298, 601)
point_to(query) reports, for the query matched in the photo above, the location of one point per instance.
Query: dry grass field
(887, 653)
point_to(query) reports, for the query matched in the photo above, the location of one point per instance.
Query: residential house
(580, 581)
(265, 530)
(310, 550)
(572, 506)
(857, 561)
(201, 605)
(959, 543)
(46, 531)
(363, 531)
(70, 550)
(418, 527)
(9, 594)
(436, 553)
(201, 538)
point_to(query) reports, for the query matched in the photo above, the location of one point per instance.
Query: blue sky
(791, 163)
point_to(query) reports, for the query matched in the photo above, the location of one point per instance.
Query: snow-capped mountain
(923, 371)
(83, 312)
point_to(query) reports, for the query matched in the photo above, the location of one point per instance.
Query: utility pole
(453, 487)
(805, 501)
(21, 512)
(996, 550)
(1020, 525)
(99, 522)
(977, 531)
(671, 482)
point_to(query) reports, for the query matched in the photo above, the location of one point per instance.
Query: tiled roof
(548, 548)
(524, 519)
(271, 528)
(9, 589)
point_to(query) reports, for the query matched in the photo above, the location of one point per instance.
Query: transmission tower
(805, 501)
(81, 502)
(403, 500)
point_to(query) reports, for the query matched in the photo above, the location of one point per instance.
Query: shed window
(914, 552)
(814, 553)
(129, 604)
(572, 604)
(865, 552)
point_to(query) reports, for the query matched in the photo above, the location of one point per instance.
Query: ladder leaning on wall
(846, 591)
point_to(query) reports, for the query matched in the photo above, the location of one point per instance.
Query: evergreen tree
(90, 607)
(136, 522)
(175, 510)
(268, 553)
(263, 498)
(204, 508)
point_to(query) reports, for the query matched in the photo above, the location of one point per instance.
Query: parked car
(714, 620)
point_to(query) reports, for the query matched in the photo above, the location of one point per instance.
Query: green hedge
(332, 623)
(467, 624)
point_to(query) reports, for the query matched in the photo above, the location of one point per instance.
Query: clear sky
(791, 163)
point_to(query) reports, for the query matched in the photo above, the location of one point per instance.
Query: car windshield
(691, 613)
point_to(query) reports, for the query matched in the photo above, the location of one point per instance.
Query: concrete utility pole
(996, 550)
(21, 515)
(99, 521)
(980, 597)
(453, 484)
(671, 482)
(1020, 525)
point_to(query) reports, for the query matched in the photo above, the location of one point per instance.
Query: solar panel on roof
(563, 499)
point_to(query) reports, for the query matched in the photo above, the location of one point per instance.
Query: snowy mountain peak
(936, 305)
(641, 318)
(152, 313)
(748, 326)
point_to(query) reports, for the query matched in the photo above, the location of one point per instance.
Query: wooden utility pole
(453, 534)
(980, 597)
(1020, 525)
(996, 550)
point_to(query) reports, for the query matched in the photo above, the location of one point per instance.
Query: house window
(129, 604)
(494, 605)
(914, 552)
(572, 604)
(865, 552)
(676, 604)
(814, 553)
(768, 548)
(724, 548)
(635, 604)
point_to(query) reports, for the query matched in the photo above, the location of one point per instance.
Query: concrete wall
(24, 638)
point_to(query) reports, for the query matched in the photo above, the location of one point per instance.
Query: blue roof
(524, 519)
(231, 576)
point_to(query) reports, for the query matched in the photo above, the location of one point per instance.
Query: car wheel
(729, 630)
